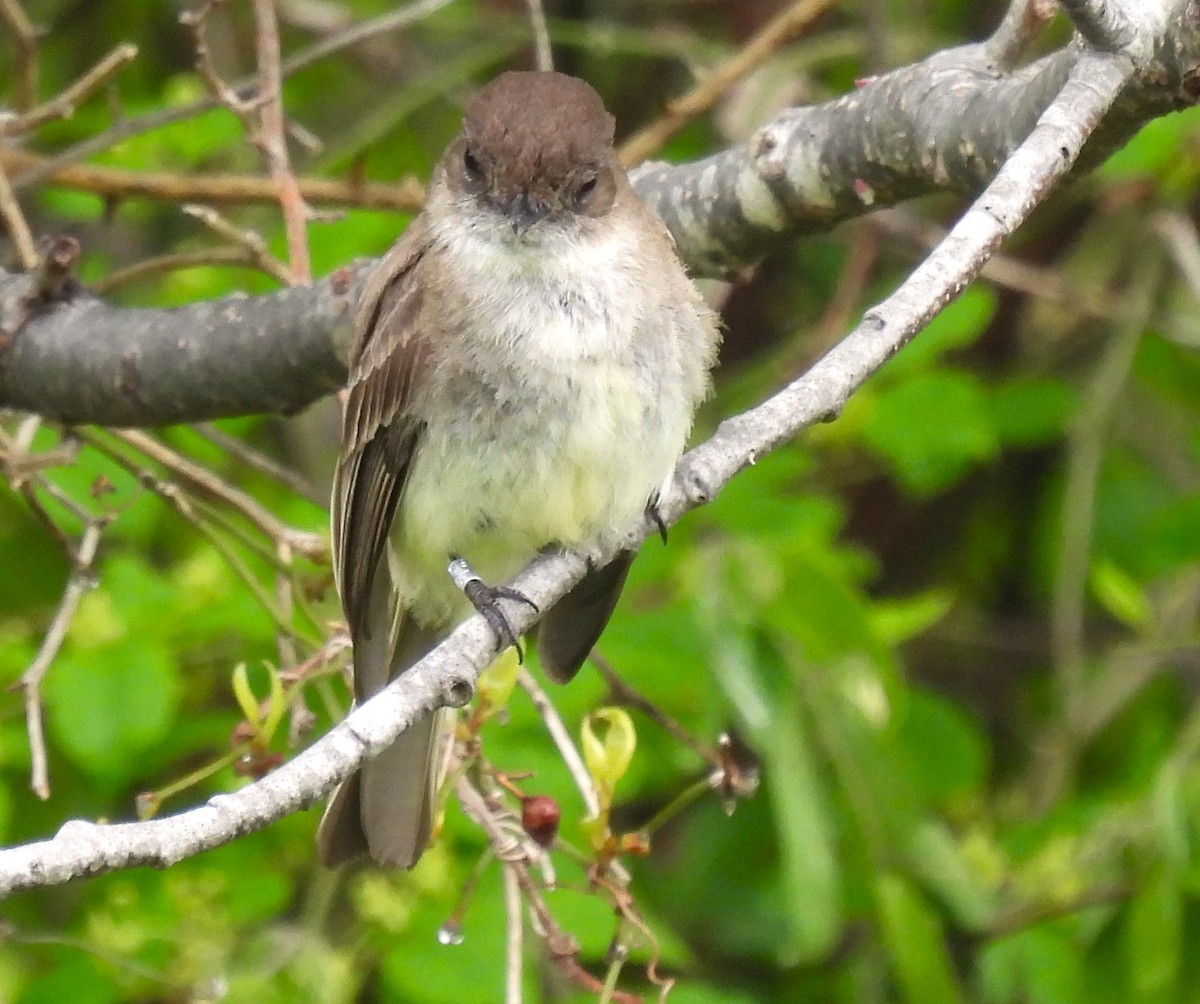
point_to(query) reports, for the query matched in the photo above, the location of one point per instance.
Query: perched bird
(526, 364)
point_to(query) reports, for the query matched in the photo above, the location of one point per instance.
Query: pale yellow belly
(496, 494)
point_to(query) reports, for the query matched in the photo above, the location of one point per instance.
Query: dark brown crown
(543, 125)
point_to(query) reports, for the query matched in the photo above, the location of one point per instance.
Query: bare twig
(252, 458)
(1027, 915)
(25, 36)
(785, 26)
(63, 105)
(541, 37)
(239, 257)
(404, 196)
(516, 853)
(15, 224)
(1179, 233)
(562, 739)
(262, 118)
(1023, 22)
(271, 137)
(366, 30)
(200, 479)
(1086, 446)
(140, 125)
(514, 933)
(1006, 270)
(196, 21)
(80, 581)
(623, 693)
(254, 244)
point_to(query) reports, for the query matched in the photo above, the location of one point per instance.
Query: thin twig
(541, 37)
(196, 21)
(285, 599)
(782, 28)
(178, 499)
(1179, 233)
(1029, 915)
(405, 196)
(14, 223)
(1087, 440)
(26, 36)
(1007, 271)
(63, 105)
(204, 481)
(362, 32)
(30, 683)
(251, 241)
(515, 929)
(139, 126)
(623, 693)
(562, 739)
(516, 853)
(239, 257)
(272, 138)
(258, 461)
(1022, 24)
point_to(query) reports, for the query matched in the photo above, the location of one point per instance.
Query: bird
(525, 368)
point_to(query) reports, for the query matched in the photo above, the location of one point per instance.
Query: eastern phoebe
(526, 363)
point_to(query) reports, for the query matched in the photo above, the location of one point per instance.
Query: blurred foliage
(956, 628)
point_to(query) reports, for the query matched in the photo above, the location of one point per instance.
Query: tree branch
(86, 361)
(946, 123)
(447, 676)
(403, 196)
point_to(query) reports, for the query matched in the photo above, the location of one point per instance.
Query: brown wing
(378, 432)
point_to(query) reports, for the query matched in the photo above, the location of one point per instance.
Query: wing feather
(379, 432)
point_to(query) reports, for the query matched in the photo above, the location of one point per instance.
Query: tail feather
(385, 809)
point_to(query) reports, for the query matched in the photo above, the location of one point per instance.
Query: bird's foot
(486, 599)
(655, 516)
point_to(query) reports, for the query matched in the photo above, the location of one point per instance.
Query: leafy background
(956, 626)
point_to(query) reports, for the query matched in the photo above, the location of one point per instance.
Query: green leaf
(799, 802)
(1120, 594)
(1154, 936)
(608, 741)
(961, 322)
(1039, 965)
(947, 750)
(108, 706)
(497, 680)
(936, 860)
(811, 872)
(1029, 411)
(912, 933)
(1154, 151)
(903, 618)
(244, 696)
(932, 429)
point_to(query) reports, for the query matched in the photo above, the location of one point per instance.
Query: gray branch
(946, 123)
(447, 676)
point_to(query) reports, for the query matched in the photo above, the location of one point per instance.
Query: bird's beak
(524, 211)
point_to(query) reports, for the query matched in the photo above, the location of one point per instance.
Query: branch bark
(946, 123)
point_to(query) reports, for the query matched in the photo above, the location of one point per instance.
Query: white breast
(569, 446)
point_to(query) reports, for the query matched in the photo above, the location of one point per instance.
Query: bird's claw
(486, 600)
(655, 516)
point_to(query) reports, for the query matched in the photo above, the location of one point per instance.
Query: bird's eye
(472, 166)
(586, 187)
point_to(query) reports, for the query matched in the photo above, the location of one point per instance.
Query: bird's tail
(386, 808)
